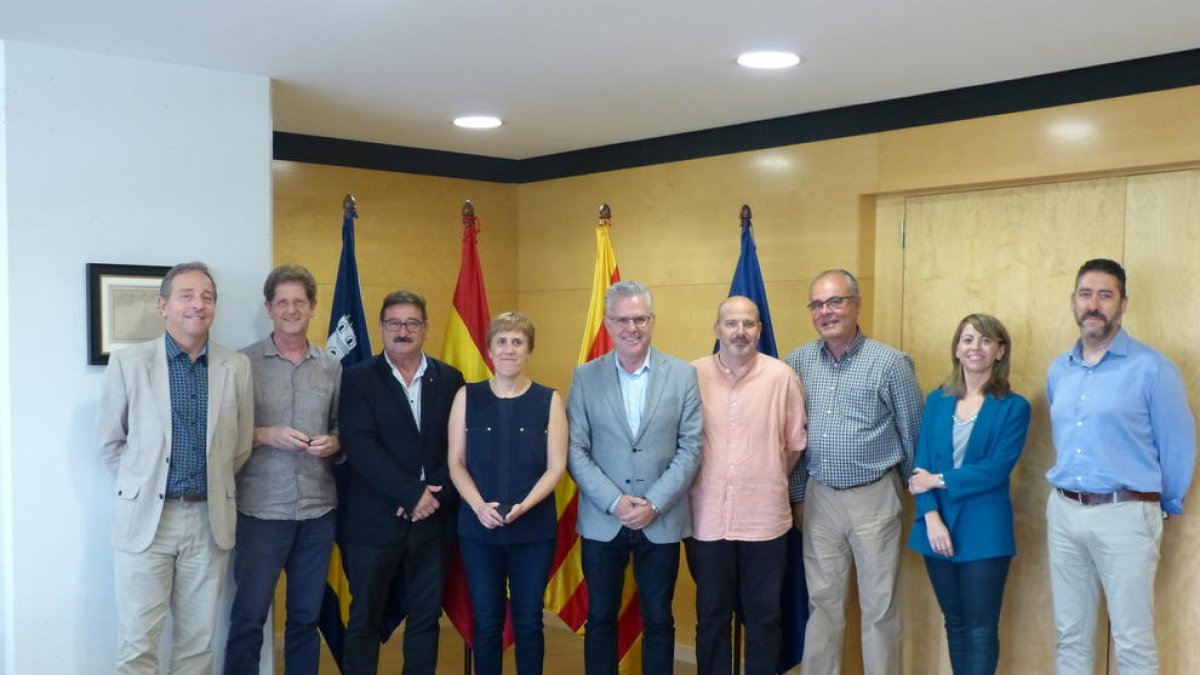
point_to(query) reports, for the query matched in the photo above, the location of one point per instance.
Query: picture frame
(122, 307)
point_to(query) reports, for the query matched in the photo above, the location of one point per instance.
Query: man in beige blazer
(175, 423)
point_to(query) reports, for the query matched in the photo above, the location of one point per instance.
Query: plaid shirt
(863, 414)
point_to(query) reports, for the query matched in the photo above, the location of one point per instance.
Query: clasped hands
(294, 439)
(634, 512)
(426, 505)
(490, 517)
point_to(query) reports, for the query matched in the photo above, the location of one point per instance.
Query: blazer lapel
(160, 380)
(217, 372)
(654, 391)
(984, 421)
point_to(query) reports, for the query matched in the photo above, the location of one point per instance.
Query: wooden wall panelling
(1012, 253)
(1162, 259)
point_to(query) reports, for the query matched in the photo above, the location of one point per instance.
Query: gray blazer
(133, 425)
(607, 461)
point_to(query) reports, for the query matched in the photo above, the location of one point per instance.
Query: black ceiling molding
(1137, 76)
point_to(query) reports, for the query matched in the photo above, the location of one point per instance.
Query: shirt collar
(269, 348)
(174, 350)
(636, 371)
(396, 371)
(859, 339)
(1118, 347)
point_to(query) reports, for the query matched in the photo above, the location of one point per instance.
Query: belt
(870, 482)
(189, 499)
(1094, 498)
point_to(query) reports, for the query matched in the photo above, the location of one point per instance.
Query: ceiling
(573, 74)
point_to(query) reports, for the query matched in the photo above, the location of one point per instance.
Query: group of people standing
(725, 454)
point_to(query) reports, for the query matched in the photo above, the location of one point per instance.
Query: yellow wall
(674, 226)
(408, 235)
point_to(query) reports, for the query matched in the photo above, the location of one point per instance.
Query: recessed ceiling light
(768, 60)
(477, 122)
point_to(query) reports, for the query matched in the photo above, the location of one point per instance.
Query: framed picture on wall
(122, 307)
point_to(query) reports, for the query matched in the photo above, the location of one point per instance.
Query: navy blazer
(386, 452)
(975, 504)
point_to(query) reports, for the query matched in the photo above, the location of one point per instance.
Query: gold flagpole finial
(745, 211)
(349, 205)
(605, 215)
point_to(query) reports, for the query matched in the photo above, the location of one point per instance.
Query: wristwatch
(941, 480)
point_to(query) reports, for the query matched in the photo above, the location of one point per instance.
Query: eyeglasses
(836, 302)
(640, 321)
(412, 325)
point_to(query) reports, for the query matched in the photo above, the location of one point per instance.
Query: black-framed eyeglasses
(836, 302)
(640, 321)
(412, 325)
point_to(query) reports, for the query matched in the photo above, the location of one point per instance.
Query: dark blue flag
(348, 337)
(748, 282)
(349, 341)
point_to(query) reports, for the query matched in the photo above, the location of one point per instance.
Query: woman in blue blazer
(972, 432)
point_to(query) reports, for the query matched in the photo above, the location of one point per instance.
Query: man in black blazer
(395, 514)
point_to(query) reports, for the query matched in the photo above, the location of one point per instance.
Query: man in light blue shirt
(1126, 444)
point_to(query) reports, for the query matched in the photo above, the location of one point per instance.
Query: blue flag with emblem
(348, 337)
(349, 341)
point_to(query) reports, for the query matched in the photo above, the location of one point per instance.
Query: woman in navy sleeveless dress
(508, 450)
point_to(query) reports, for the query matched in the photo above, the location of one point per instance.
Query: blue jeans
(655, 568)
(970, 594)
(264, 548)
(524, 569)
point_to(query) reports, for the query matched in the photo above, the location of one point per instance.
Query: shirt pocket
(862, 405)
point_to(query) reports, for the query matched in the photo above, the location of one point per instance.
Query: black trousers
(418, 563)
(732, 574)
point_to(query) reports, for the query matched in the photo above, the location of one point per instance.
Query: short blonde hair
(511, 321)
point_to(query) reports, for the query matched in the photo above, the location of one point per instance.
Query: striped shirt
(863, 414)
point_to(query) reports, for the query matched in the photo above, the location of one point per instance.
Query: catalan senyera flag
(349, 341)
(566, 595)
(465, 348)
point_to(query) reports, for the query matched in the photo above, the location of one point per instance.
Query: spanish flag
(566, 594)
(465, 348)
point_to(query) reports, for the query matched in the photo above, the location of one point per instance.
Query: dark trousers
(419, 564)
(729, 574)
(655, 568)
(264, 548)
(524, 569)
(970, 594)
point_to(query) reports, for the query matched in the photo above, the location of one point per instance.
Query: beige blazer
(134, 431)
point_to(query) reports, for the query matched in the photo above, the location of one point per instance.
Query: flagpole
(737, 622)
(468, 220)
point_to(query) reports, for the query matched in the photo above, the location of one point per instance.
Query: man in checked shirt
(864, 408)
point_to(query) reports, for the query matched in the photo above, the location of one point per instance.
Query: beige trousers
(1114, 546)
(184, 570)
(860, 524)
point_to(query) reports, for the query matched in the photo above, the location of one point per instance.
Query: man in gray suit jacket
(175, 423)
(635, 420)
